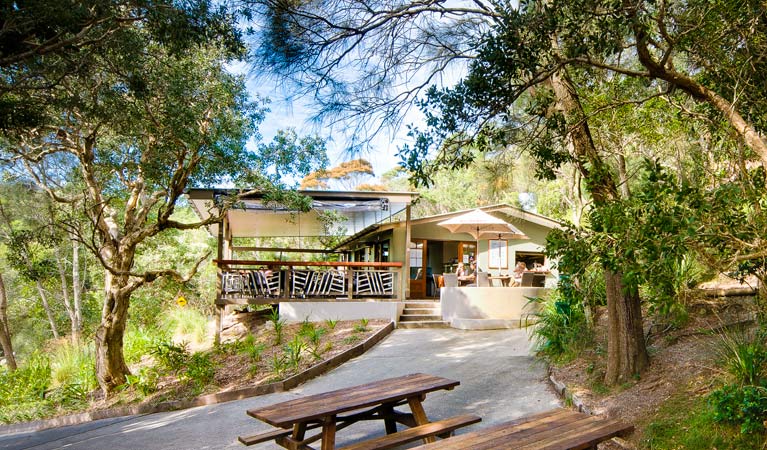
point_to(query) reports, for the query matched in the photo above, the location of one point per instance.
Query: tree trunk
(111, 370)
(77, 288)
(47, 308)
(74, 335)
(626, 350)
(5, 331)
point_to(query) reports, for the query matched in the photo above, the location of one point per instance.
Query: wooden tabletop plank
(390, 383)
(542, 435)
(488, 437)
(585, 438)
(554, 430)
(347, 399)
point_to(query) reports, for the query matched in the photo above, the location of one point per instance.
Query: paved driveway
(499, 382)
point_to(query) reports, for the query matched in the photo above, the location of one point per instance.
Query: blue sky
(285, 113)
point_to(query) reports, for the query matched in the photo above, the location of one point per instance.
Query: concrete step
(422, 304)
(419, 317)
(424, 324)
(436, 310)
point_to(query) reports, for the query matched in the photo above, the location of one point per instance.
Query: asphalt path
(499, 379)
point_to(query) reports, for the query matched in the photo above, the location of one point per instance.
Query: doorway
(418, 268)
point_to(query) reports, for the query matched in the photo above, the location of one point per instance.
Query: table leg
(391, 425)
(419, 415)
(329, 433)
(299, 431)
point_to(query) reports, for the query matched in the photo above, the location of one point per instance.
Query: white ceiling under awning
(254, 219)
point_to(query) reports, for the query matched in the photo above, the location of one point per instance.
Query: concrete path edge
(209, 399)
(568, 396)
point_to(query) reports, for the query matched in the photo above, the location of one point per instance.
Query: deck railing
(241, 281)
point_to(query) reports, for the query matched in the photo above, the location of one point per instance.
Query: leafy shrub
(560, 329)
(744, 354)
(170, 356)
(144, 381)
(27, 383)
(139, 341)
(741, 405)
(200, 371)
(70, 395)
(306, 328)
(250, 347)
(331, 323)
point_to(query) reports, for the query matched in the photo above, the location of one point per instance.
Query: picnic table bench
(294, 418)
(559, 429)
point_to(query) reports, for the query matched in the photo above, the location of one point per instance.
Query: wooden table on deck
(559, 429)
(504, 279)
(323, 410)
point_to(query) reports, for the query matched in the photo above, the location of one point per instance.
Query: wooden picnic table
(559, 429)
(295, 417)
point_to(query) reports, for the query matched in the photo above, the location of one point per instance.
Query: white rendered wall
(345, 310)
(488, 307)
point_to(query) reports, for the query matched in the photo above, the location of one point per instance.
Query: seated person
(460, 271)
(517, 273)
(465, 277)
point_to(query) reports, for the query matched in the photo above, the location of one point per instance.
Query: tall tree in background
(121, 138)
(347, 175)
(370, 60)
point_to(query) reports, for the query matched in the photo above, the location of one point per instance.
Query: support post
(405, 288)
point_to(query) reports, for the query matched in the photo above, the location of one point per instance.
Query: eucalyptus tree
(117, 140)
(370, 59)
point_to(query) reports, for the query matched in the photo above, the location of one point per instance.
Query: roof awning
(254, 218)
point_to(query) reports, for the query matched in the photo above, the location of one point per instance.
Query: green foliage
(352, 339)
(745, 406)
(362, 326)
(561, 329)
(279, 366)
(22, 392)
(293, 352)
(28, 383)
(140, 341)
(743, 352)
(314, 339)
(170, 356)
(185, 323)
(331, 323)
(278, 324)
(250, 347)
(144, 381)
(71, 366)
(306, 328)
(687, 422)
(200, 371)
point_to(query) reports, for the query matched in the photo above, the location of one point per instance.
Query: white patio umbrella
(481, 225)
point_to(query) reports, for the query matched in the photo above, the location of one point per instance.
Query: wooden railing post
(350, 282)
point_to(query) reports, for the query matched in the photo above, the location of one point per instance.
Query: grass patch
(687, 422)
